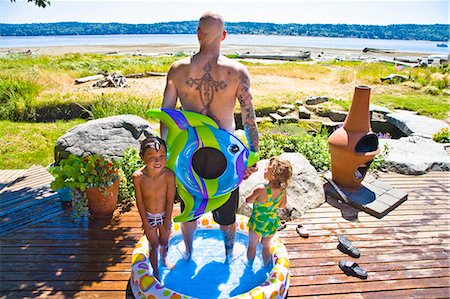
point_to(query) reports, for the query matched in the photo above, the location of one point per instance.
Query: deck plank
(406, 252)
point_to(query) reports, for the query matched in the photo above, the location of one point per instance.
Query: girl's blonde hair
(282, 172)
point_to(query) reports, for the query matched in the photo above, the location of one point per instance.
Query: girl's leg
(265, 243)
(253, 240)
(153, 243)
(164, 241)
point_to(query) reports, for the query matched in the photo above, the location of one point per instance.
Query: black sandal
(282, 226)
(301, 231)
(347, 247)
(352, 269)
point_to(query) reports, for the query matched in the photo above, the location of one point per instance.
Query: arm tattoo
(207, 87)
(248, 112)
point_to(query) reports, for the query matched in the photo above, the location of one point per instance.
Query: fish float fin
(253, 157)
(177, 121)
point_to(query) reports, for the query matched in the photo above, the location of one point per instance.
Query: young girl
(154, 185)
(266, 198)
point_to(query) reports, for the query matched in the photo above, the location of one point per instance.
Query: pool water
(205, 276)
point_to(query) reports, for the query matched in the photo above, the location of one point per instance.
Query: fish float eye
(233, 149)
(209, 163)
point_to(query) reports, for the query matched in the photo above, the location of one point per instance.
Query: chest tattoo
(207, 87)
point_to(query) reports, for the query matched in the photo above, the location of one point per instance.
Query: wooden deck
(406, 253)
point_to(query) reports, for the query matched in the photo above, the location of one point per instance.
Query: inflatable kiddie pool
(144, 285)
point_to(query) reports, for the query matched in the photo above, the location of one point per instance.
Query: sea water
(297, 42)
(206, 275)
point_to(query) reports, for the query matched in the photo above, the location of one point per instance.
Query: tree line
(435, 32)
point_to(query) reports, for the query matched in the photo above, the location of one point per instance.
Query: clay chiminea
(354, 145)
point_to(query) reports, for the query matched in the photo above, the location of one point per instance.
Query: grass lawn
(37, 90)
(25, 144)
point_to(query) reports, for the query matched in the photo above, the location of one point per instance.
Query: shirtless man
(210, 83)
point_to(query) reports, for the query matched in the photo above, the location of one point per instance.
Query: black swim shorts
(226, 214)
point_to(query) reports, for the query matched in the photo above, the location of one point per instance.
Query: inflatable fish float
(208, 161)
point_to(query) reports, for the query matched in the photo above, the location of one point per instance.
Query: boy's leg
(253, 240)
(164, 241)
(265, 243)
(153, 243)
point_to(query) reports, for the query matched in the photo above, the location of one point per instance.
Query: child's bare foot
(168, 264)
(186, 255)
(247, 262)
(156, 275)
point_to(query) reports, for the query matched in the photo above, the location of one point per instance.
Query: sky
(370, 12)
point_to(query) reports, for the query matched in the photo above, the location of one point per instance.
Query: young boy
(154, 185)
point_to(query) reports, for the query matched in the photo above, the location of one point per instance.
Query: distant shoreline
(167, 49)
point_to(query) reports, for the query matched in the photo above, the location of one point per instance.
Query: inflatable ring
(193, 140)
(144, 285)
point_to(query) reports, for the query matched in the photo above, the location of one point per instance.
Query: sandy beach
(170, 49)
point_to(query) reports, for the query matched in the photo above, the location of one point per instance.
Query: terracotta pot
(353, 146)
(102, 202)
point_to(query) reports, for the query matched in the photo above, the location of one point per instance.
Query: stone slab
(375, 197)
(284, 112)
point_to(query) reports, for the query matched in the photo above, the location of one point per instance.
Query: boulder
(304, 113)
(109, 137)
(304, 193)
(415, 155)
(291, 107)
(337, 116)
(410, 123)
(312, 100)
(379, 109)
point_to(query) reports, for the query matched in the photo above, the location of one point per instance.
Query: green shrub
(441, 83)
(433, 90)
(443, 136)
(291, 138)
(129, 163)
(107, 105)
(16, 98)
(379, 161)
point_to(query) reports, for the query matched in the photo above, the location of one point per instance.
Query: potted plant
(94, 176)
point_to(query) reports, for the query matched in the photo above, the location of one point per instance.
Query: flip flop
(282, 226)
(301, 231)
(347, 247)
(352, 269)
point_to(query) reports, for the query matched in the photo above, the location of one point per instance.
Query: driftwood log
(300, 56)
(145, 74)
(89, 78)
(111, 80)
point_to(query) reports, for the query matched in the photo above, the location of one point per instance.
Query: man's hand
(249, 170)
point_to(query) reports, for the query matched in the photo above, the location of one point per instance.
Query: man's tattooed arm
(248, 112)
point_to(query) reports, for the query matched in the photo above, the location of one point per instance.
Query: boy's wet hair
(282, 171)
(152, 142)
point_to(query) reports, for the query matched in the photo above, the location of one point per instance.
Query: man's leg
(226, 217)
(229, 235)
(188, 230)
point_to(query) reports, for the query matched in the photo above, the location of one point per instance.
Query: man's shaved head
(211, 26)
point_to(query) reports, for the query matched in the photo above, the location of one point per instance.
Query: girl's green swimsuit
(264, 219)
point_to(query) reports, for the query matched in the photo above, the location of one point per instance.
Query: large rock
(379, 109)
(109, 137)
(304, 193)
(410, 123)
(415, 155)
(314, 100)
